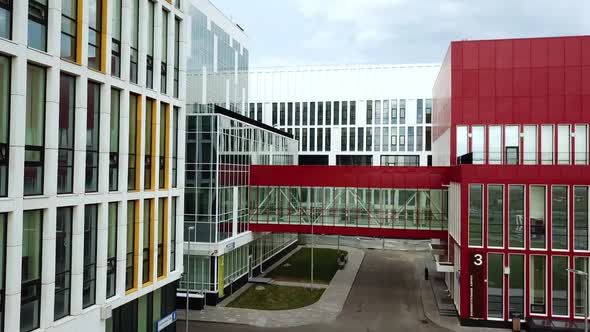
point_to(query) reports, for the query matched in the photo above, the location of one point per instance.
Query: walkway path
(325, 309)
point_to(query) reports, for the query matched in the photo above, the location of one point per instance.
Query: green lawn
(298, 266)
(276, 298)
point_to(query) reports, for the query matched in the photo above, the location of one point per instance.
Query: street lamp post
(585, 292)
(191, 228)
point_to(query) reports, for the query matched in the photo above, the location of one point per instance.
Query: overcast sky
(300, 32)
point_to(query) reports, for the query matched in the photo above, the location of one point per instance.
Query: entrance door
(477, 285)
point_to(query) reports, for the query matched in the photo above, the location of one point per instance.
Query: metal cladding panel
(349, 176)
(418, 234)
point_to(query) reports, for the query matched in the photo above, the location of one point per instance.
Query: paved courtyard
(385, 296)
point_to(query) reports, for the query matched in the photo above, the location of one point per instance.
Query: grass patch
(297, 267)
(275, 297)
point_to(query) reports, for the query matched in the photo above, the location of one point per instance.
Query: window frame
(93, 261)
(68, 271)
(35, 284)
(4, 147)
(40, 149)
(112, 261)
(94, 167)
(70, 150)
(44, 12)
(9, 8)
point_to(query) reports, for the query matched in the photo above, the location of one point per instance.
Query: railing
(524, 158)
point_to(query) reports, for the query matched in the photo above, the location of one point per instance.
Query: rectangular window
(164, 52)
(351, 137)
(512, 148)
(530, 145)
(581, 218)
(259, 112)
(343, 138)
(377, 111)
(311, 139)
(328, 113)
(275, 114)
(419, 110)
(37, 26)
(336, 113)
(177, 57)
(478, 144)
(581, 147)
(283, 113)
(393, 105)
(89, 278)
(31, 270)
(537, 283)
(4, 122)
(63, 261)
(149, 76)
(134, 43)
(175, 147)
(3, 223)
(369, 140)
(516, 216)
(369, 112)
(162, 235)
(69, 29)
(35, 131)
(495, 215)
(580, 286)
(320, 113)
(560, 287)
(5, 21)
(289, 114)
(320, 139)
(360, 139)
(462, 146)
(393, 139)
(134, 139)
(385, 139)
(162, 158)
(328, 142)
(547, 144)
(516, 285)
(115, 118)
(419, 139)
(95, 34)
(352, 112)
(112, 249)
(537, 219)
(147, 249)
(495, 142)
(559, 217)
(475, 215)
(251, 111)
(149, 134)
(92, 136)
(428, 138)
(386, 112)
(428, 110)
(173, 235)
(304, 113)
(402, 111)
(297, 114)
(495, 286)
(66, 134)
(131, 243)
(563, 144)
(344, 112)
(116, 37)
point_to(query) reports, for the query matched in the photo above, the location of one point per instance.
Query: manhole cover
(259, 288)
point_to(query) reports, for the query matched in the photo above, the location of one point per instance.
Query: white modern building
(349, 115)
(221, 253)
(91, 163)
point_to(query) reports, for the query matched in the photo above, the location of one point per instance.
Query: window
(328, 113)
(393, 104)
(560, 287)
(385, 138)
(162, 159)
(360, 139)
(537, 220)
(66, 134)
(537, 284)
(89, 278)
(402, 111)
(34, 131)
(162, 235)
(516, 285)
(581, 147)
(495, 215)
(530, 145)
(547, 145)
(320, 113)
(563, 144)
(92, 136)
(344, 112)
(512, 140)
(134, 10)
(177, 58)
(377, 111)
(428, 110)
(37, 27)
(4, 123)
(580, 218)
(149, 77)
(475, 215)
(164, 50)
(478, 144)
(320, 139)
(297, 114)
(173, 235)
(419, 139)
(386, 112)
(5, 21)
(580, 286)
(259, 112)
(304, 113)
(516, 216)
(150, 110)
(147, 241)
(327, 143)
(251, 111)
(311, 139)
(63, 261)
(462, 146)
(351, 137)
(352, 112)
(495, 286)
(419, 110)
(31, 270)
(130, 263)
(69, 29)
(116, 38)
(559, 217)
(175, 148)
(112, 250)
(3, 223)
(134, 139)
(275, 114)
(304, 140)
(369, 140)
(336, 112)
(369, 112)
(495, 145)
(343, 138)
(94, 34)
(115, 118)
(428, 138)
(283, 114)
